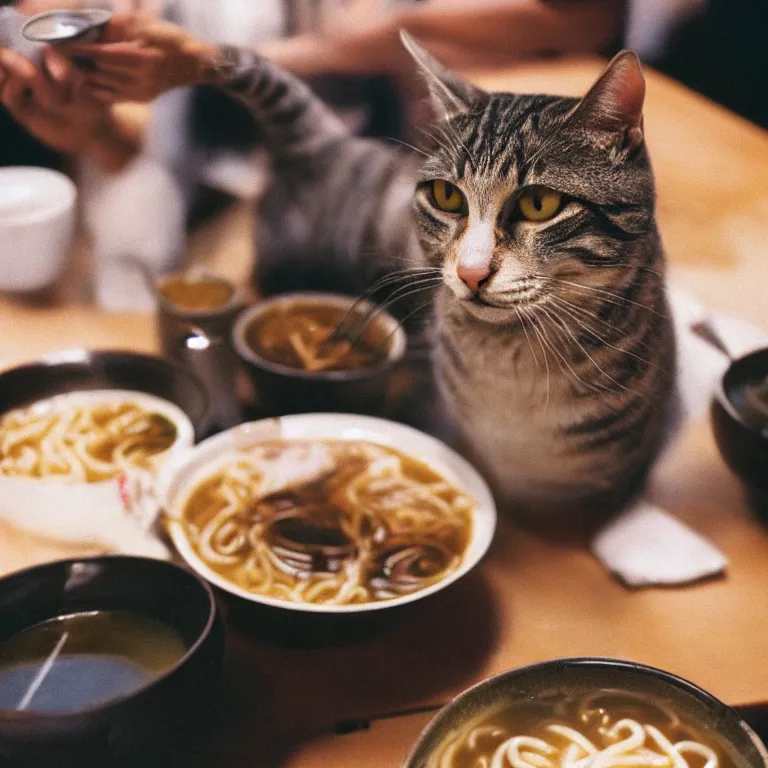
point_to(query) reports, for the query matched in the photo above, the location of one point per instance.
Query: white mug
(37, 222)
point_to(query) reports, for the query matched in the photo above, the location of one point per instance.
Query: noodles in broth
(300, 336)
(84, 441)
(328, 522)
(606, 729)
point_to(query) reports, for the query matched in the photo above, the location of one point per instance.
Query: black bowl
(282, 390)
(743, 445)
(591, 675)
(81, 369)
(161, 717)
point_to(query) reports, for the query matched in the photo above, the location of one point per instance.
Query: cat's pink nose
(473, 276)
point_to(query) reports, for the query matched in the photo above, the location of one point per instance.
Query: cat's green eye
(539, 203)
(447, 197)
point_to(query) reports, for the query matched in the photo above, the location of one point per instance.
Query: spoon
(754, 403)
(706, 331)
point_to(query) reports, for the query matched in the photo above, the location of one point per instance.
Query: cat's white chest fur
(511, 407)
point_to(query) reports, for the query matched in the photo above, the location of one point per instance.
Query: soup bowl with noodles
(587, 713)
(79, 468)
(319, 352)
(328, 513)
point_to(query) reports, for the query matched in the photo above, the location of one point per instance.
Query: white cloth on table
(644, 545)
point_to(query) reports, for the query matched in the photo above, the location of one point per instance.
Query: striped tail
(296, 123)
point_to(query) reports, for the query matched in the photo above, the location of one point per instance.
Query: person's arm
(47, 103)
(461, 34)
(120, 138)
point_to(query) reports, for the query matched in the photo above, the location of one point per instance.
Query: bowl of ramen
(587, 713)
(740, 418)
(319, 352)
(327, 514)
(105, 660)
(78, 466)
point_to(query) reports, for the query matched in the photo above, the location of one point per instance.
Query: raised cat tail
(296, 122)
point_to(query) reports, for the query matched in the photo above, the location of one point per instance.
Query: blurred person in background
(200, 140)
(350, 52)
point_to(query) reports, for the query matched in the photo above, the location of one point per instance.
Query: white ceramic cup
(37, 222)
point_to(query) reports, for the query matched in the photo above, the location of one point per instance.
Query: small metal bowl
(742, 442)
(282, 390)
(67, 26)
(563, 677)
(157, 719)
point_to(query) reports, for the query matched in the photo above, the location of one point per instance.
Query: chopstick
(42, 673)
(355, 724)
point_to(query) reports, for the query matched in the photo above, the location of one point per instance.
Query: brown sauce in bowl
(299, 336)
(195, 295)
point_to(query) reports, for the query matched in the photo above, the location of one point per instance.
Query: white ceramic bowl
(180, 477)
(37, 221)
(91, 514)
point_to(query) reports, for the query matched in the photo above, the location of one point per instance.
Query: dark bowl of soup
(83, 370)
(104, 661)
(587, 712)
(740, 419)
(310, 352)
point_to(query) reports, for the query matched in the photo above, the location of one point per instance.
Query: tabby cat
(532, 219)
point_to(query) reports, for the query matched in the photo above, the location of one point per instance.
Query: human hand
(48, 100)
(32, 7)
(140, 57)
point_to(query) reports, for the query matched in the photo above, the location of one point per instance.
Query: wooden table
(531, 599)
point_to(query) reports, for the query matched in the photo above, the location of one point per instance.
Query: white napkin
(644, 545)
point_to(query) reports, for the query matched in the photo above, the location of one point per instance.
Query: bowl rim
(601, 662)
(153, 682)
(185, 429)
(395, 353)
(232, 305)
(485, 508)
(85, 356)
(725, 402)
(66, 205)
(97, 17)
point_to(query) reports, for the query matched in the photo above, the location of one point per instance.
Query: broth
(601, 729)
(81, 442)
(297, 336)
(76, 661)
(197, 295)
(333, 522)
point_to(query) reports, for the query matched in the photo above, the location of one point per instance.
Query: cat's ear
(615, 102)
(451, 94)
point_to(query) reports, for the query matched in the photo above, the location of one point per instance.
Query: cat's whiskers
(434, 138)
(587, 315)
(536, 360)
(578, 379)
(406, 144)
(455, 137)
(391, 279)
(520, 316)
(354, 336)
(603, 341)
(546, 343)
(559, 320)
(617, 299)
